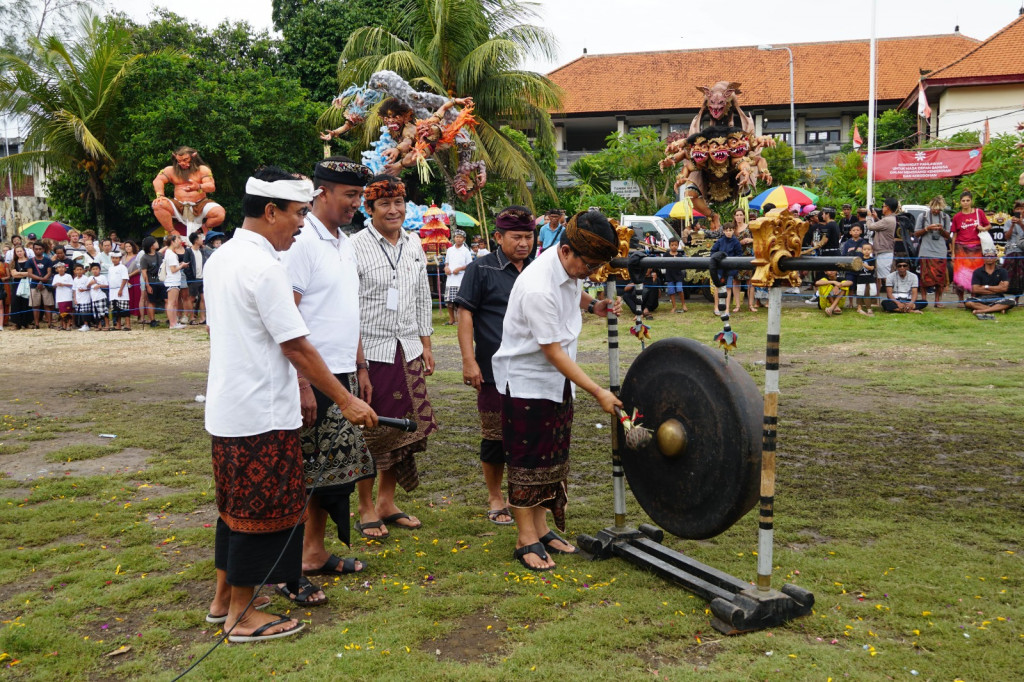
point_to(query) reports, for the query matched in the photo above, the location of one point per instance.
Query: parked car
(653, 226)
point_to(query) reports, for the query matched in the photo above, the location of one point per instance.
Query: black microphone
(407, 425)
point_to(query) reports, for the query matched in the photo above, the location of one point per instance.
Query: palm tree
(469, 48)
(65, 94)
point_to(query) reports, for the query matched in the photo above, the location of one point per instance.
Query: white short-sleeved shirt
(252, 388)
(457, 258)
(98, 293)
(63, 294)
(82, 290)
(902, 287)
(117, 274)
(544, 308)
(324, 272)
(174, 278)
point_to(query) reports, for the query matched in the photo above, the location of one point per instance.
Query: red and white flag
(857, 141)
(923, 110)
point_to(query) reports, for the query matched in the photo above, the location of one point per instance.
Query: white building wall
(965, 108)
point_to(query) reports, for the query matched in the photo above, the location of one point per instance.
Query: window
(678, 127)
(775, 124)
(783, 137)
(820, 136)
(817, 123)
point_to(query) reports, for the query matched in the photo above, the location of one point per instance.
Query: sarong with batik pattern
(400, 391)
(333, 450)
(933, 272)
(488, 404)
(259, 480)
(536, 434)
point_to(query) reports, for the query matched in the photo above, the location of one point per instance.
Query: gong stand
(712, 460)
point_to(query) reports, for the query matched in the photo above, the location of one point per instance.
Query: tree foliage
(315, 32)
(996, 184)
(780, 165)
(236, 111)
(66, 94)
(468, 48)
(894, 129)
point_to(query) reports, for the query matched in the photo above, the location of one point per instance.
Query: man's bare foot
(219, 607)
(254, 620)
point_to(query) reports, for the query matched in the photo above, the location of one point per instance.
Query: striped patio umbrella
(784, 196)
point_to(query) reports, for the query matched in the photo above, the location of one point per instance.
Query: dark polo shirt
(484, 292)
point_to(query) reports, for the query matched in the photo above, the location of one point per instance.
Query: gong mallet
(618, 474)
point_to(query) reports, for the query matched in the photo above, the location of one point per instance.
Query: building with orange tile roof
(617, 92)
(986, 83)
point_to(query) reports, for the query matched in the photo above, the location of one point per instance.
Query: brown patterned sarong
(488, 404)
(536, 435)
(334, 452)
(933, 272)
(400, 390)
(259, 481)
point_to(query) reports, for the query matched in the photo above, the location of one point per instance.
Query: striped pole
(766, 522)
(639, 326)
(618, 474)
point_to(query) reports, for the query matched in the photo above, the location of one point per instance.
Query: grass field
(899, 505)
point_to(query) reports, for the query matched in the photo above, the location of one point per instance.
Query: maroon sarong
(400, 390)
(488, 404)
(260, 483)
(536, 434)
(933, 272)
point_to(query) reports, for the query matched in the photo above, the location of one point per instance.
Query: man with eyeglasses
(901, 290)
(536, 373)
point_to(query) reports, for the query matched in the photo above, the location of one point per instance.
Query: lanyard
(394, 264)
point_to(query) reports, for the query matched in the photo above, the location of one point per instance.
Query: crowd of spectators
(88, 284)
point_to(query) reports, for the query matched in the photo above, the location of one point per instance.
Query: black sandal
(553, 536)
(301, 592)
(330, 567)
(535, 548)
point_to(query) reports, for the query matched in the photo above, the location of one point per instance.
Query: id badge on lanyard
(391, 302)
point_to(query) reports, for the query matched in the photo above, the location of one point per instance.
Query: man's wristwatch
(593, 304)
(362, 365)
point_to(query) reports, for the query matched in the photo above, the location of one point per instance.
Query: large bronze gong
(701, 471)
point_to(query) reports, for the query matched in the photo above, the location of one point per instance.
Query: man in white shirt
(535, 370)
(325, 283)
(257, 341)
(456, 259)
(395, 324)
(901, 290)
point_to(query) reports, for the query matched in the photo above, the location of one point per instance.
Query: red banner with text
(926, 164)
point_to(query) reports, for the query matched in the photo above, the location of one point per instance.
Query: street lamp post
(792, 99)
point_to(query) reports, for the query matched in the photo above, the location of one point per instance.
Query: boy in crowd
(731, 246)
(82, 299)
(117, 280)
(674, 279)
(866, 285)
(98, 296)
(63, 289)
(832, 292)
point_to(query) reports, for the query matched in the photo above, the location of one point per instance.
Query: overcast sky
(604, 26)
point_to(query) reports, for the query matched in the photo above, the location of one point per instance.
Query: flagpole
(871, 112)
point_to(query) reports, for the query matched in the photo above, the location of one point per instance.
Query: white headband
(288, 190)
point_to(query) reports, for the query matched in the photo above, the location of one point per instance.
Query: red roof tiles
(824, 73)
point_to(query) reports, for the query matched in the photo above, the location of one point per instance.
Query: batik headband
(384, 188)
(515, 220)
(287, 190)
(587, 243)
(342, 172)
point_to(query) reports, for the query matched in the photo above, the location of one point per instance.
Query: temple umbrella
(784, 196)
(465, 220)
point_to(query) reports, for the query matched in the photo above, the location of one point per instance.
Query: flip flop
(371, 524)
(493, 514)
(258, 636)
(535, 548)
(393, 519)
(210, 618)
(551, 536)
(302, 592)
(348, 565)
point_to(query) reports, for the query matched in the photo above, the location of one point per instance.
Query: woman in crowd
(21, 313)
(1013, 258)
(130, 259)
(175, 280)
(151, 289)
(5, 278)
(968, 224)
(739, 218)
